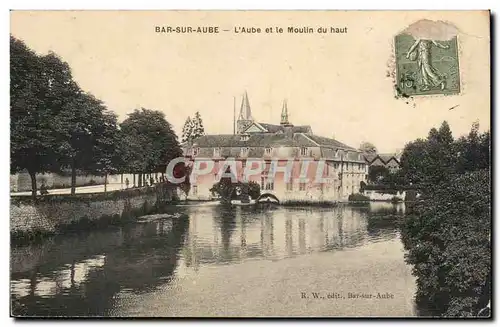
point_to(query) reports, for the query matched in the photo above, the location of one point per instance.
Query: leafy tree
(198, 129)
(253, 190)
(368, 147)
(430, 161)
(88, 137)
(39, 89)
(187, 130)
(108, 157)
(377, 173)
(225, 188)
(448, 243)
(447, 234)
(473, 150)
(149, 141)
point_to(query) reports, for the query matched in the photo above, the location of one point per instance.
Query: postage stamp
(426, 64)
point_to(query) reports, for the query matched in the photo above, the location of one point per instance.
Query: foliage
(357, 197)
(54, 124)
(39, 89)
(193, 128)
(149, 141)
(430, 161)
(226, 190)
(448, 243)
(447, 234)
(368, 147)
(187, 130)
(253, 190)
(198, 129)
(377, 173)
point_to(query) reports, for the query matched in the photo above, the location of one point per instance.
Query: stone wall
(46, 216)
(22, 181)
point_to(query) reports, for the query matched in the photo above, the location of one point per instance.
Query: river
(213, 261)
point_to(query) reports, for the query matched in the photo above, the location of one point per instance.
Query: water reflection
(82, 275)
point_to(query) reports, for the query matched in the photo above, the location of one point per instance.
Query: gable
(377, 162)
(254, 128)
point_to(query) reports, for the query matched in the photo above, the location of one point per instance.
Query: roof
(254, 140)
(384, 157)
(272, 128)
(331, 143)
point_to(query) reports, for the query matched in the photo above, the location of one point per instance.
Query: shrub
(448, 241)
(358, 198)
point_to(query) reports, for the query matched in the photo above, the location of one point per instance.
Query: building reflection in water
(82, 275)
(70, 279)
(244, 233)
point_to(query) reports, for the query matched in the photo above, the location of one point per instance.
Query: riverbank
(31, 220)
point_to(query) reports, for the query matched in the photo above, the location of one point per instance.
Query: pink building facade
(287, 161)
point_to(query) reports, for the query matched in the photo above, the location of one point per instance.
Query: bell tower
(245, 118)
(284, 116)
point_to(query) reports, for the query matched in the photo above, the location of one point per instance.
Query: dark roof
(331, 143)
(254, 140)
(370, 156)
(272, 128)
(384, 157)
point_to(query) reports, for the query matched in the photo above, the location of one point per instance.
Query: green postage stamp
(426, 65)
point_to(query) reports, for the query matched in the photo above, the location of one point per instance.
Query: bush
(448, 241)
(358, 198)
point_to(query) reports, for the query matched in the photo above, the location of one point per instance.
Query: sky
(339, 84)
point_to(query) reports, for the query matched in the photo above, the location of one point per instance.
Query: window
(245, 137)
(302, 186)
(289, 186)
(244, 152)
(216, 152)
(195, 190)
(243, 164)
(267, 184)
(303, 151)
(196, 151)
(336, 165)
(268, 151)
(336, 153)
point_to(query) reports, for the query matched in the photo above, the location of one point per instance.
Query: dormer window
(303, 151)
(244, 152)
(268, 151)
(216, 152)
(245, 137)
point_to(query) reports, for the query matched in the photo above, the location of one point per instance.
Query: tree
(88, 134)
(225, 188)
(448, 242)
(447, 233)
(429, 161)
(39, 89)
(368, 147)
(198, 129)
(149, 141)
(473, 150)
(187, 130)
(377, 173)
(108, 157)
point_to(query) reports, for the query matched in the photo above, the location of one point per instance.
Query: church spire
(245, 111)
(284, 114)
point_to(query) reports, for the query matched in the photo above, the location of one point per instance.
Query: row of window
(304, 151)
(269, 186)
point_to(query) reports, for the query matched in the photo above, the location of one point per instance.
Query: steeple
(245, 111)
(284, 115)
(245, 118)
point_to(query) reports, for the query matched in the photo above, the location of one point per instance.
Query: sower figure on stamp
(429, 76)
